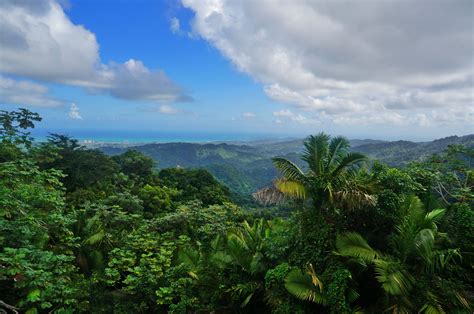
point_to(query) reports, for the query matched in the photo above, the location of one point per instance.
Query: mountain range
(246, 166)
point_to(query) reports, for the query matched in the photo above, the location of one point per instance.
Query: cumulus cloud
(74, 112)
(378, 61)
(40, 42)
(133, 81)
(21, 92)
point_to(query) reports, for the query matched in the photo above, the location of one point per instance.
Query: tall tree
(331, 179)
(416, 251)
(14, 136)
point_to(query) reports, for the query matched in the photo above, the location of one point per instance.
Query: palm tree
(332, 176)
(415, 252)
(307, 286)
(242, 247)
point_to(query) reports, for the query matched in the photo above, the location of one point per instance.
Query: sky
(362, 69)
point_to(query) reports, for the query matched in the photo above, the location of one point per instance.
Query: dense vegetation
(84, 232)
(247, 167)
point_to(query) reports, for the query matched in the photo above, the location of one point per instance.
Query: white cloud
(40, 42)
(283, 113)
(21, 92)
(175, 25)
(133, 81)
(167, 109)
(371, 61)
(74, 112)
(287, 115)
(249, 115)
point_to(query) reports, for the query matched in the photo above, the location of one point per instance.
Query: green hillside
(86, 232)
(400, 153)
(247, 168)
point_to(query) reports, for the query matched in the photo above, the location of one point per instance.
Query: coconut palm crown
(332, 177)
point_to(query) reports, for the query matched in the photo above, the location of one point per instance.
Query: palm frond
(337, 149)
(245, 289)
(217, 244)
(301, 286)
(432, 309)
(256, 264)
(238, 251)
(220, 259)
(353, 199)
(245, 245)
(433, 306)
(95, 238)
(352, 244)
(434, 216)
(410, 225)
(351, 295)
(441, 258)
(268, 196)
(290, 188)
(414, 208)
(315, 151)
(247, 300)
(288, 169)
(392, 277)
(348, 161)
(464, 302)
(424, 243)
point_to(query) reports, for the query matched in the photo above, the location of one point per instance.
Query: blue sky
(221, 94)
(278, 69)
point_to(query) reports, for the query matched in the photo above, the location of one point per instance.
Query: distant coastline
(121, 138)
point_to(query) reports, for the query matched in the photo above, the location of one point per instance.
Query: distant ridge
(246, 166)
(399, 153)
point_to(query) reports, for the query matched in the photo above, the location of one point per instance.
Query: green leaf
(301, 286)
(34, 295)
(246, 301)
(352, 244)
(291, 188)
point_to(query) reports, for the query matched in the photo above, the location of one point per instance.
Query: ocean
(138, 137)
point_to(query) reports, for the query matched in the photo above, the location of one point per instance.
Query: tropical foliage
(83, 232)
(333, 177)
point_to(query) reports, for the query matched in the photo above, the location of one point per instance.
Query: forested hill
(399, 153)
(83, 232)
(247, 167)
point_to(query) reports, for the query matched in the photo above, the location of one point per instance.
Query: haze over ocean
(137, 136)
